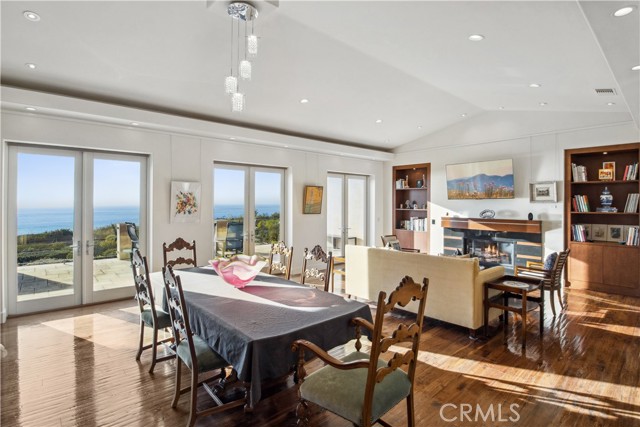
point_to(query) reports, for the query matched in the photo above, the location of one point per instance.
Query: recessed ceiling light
(636, 68)
(543, 104)
(476, 37)
(536, 85)
(232, 138)
(304, 101)
(378, 121)
(419, 127)
(463, 115)
(611, 103)
(31, 16)
(30, 66)
(286, 146)
(500, 108)
(624, 11)
(30, 109)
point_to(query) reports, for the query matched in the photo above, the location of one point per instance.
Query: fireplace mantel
(490, 224)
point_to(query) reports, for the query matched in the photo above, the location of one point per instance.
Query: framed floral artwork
(185, 201)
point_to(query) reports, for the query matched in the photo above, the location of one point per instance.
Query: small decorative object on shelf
(424, 182)
(606, 199)
(407, 204)
(612, 167)
(419, 183)
(238, 270)
(605, 174)
(530, 216)
(487, 214)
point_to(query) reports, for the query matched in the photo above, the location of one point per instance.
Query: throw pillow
(550, 261)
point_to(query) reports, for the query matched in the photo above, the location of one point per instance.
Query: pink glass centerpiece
(238, 270)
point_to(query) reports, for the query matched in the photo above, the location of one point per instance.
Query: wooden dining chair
(362, 387)
(391, 238)
(550, 274)
(284, 257)
(316, 265)
(341, 262)
(150, 316)
(133, 235)
(179, 245)
(196, 355)
(220, 240)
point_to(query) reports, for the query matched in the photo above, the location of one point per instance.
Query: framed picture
(312, 199)
(612, 166)
(605, 174)
(185, 201)
(615, 233)
(599, 232)
(480, 180)
(394, 245)
(543, 191)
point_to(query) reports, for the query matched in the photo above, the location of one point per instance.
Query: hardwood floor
(77, 368)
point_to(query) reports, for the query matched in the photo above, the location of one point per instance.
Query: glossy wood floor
(77, 368)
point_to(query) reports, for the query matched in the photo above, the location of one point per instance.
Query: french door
(347, 211)
(249, 200)
(67, 242)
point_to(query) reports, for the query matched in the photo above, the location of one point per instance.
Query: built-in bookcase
(600, 257)
(411, 210)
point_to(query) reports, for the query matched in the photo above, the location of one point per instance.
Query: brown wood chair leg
(411, 422)
(193, 398)
(154, 350)
(141, 340)
(176, 394)
(560, 298)
(553, 303)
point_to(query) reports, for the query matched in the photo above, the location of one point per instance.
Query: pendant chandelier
(241, 52)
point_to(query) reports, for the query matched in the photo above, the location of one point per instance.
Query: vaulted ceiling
(410, 64)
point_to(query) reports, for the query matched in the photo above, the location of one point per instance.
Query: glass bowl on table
(238, 270)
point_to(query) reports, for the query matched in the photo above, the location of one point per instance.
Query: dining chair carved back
(347, 386)
(133, 235)
(196, 355)
(150, 315)
(550, 275)
(316, 266)
(180, 245)
(280, 258)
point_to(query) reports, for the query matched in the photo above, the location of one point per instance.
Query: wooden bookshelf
(405, 188)
(596, 264)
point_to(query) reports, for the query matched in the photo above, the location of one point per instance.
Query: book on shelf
(580, 203)
(580, 232)
(579, 172)
(415, 224)
(632, 203)
(632, 235)
(630, 172)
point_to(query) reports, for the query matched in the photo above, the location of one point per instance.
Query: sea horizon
(41, 220)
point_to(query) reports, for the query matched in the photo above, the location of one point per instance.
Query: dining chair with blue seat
(362, 387)
(150, 315)
(196, 355)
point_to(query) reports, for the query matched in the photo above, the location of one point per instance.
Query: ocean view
(34, 221)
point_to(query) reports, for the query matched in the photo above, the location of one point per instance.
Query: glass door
(66, 208)
(248, 206)
(347, 211)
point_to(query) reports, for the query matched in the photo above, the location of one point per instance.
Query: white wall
(537, 156)
(180, 156)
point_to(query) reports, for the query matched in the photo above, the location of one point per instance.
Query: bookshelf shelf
(601, 265)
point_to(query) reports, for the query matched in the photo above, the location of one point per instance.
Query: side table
(514, 297)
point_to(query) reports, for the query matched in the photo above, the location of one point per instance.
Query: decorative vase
(530, 216)
(239, 269)
(606, 199)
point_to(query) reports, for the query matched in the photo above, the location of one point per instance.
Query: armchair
(550, 274)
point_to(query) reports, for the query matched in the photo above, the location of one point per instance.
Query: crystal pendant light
(237, 102)
(231, 85)
(245, 69)
(252, 45)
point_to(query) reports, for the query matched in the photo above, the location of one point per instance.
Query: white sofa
(455, 284)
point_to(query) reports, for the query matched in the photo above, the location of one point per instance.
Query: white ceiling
(408, 63)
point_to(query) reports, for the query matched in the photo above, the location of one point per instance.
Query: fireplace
(492, 250)
(509, 243)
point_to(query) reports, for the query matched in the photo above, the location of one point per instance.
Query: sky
(228, 187)
(46, 181)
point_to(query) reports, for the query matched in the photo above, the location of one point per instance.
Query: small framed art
(615, 233)
(543, 192)
(312, 199)
(605, 174)
(185, 201)
(612, 167)
(599, 232)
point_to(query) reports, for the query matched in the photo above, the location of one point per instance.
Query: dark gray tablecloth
(256, 338)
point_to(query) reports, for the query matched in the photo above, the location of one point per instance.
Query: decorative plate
(487, 214)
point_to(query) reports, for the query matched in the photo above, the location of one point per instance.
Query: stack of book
(633, 237)
(579, 173)
(415, 224)
(630, 172)
(579, 233)
(632, 203)
(580, 203)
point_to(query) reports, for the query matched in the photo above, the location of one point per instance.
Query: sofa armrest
(492, 273)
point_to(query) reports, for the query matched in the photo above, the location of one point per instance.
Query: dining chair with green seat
(150, 315)
(362, 387)
(195, 353)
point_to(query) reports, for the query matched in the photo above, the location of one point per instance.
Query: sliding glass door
(248, 208)
(347, 211)
(65, 208)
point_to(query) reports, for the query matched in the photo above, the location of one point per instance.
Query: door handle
(89, 244)
(77, 246)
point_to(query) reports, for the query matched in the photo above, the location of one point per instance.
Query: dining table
(253, 327)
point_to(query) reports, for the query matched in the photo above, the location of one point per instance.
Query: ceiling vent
(604, 92)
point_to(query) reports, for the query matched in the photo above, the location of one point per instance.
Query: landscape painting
(480, 180)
